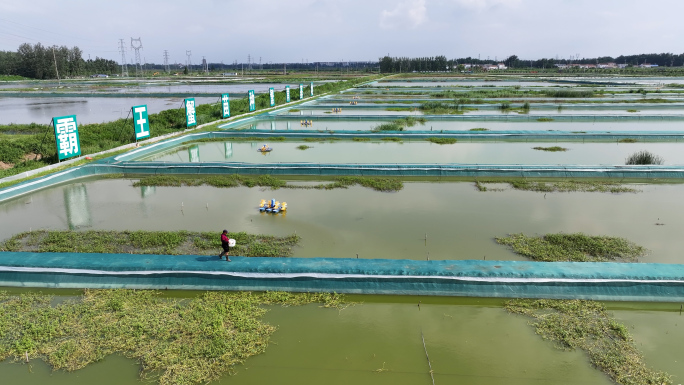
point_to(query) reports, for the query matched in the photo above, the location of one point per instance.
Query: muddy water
(460, 222)
(420, 152)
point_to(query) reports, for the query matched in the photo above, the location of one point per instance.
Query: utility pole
(166, 61)
(56, 71)
(188, 61)
(136, 47)
(284, 68)
(124, 69)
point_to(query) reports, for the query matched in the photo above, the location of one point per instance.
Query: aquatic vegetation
(392, 139)
(644, 157)
(192, 341)
(303, 147)
(442, 140)
(565, 186)
(149, 242)
(235, 180)
(400, 108)
(545, 119)
(587, 325)
(505, 106)
(399, 124)
(568, 93)
(479, 129)
(293, 110)
(551, 149)
(357, 139)
(388, 127)
(627, 140)
(576, 247)
(632, 110)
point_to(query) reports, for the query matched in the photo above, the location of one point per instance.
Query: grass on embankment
(586, 325)
(149, 242)
(560, 186)
(22, 141)
(190, 341)
(573, 248)
(235, 180)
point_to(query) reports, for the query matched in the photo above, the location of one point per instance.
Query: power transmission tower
(124, 69)
(205, 66)
(166, 60)
(249, 62)
(136, 47)
(188, 62)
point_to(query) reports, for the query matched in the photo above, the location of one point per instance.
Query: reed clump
(576, 247)
(303, 147)
(644, 158)
(587, 325)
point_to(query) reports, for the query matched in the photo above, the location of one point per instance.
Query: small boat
(272, 206)
(265, 148)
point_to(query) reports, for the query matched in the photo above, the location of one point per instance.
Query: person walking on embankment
(225, 244)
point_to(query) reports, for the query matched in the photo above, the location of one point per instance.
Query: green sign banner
(190, 117)
(141, 123)
(66, 134)
(271, 95)
(225, 106)
(301, 91)
(311, 88)
(252, 102)
(287, 93)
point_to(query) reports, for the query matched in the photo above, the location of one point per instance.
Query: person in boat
(225, 244)
(264, 147)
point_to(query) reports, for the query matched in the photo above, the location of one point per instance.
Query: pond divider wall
(511, 279)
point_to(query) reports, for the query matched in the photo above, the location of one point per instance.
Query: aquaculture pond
(380, 341)
(509, 122)
(421, 151)
(459, 221)
(27, 110)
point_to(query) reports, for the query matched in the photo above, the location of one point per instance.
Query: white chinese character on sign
(251, 99)
(226, 106)
(190, 108)
(141, 122)
(66, 136)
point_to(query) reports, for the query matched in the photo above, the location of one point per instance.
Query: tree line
(38, 62)
(441, 63)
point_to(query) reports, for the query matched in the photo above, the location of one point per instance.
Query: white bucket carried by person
(231, 242)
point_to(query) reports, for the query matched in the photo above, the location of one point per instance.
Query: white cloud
(409, 13)
(480, 5)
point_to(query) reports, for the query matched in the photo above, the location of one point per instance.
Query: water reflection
(228, 149)
(77, 206)
(194, 154)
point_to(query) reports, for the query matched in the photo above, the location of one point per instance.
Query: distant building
(648, 65)
(99, 76)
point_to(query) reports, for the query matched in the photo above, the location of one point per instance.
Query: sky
(346, 30)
